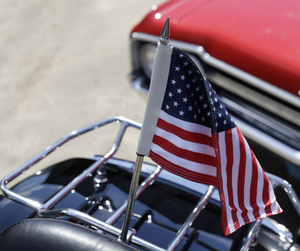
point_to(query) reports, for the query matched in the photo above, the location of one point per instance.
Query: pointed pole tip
(165, 33)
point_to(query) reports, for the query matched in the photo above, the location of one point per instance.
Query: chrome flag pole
(152, 99)
(131, 197)
(188, 132)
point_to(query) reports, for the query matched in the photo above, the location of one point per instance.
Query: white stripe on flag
(184, 163)
(188, 126)
(235, 173)
(273, 199)
(184, 144)
(247, 186)
(259, 189)
(223, 159)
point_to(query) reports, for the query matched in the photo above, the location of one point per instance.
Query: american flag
(196, 138)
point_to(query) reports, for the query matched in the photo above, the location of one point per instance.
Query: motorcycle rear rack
(44, 209)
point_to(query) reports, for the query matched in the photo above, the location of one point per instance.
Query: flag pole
(164, 40)
(131, 196)
(165, 33)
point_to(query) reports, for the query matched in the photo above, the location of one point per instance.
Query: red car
(250, 52)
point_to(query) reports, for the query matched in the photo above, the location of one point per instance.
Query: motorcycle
(106, 203)
(79, 204)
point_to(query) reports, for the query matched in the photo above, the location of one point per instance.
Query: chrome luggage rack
(44, 209)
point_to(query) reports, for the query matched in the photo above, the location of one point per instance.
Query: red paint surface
(260, 37)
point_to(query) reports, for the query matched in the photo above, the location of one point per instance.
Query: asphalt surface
(63, 65)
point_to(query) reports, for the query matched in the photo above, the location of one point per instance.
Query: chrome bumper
(257, 126)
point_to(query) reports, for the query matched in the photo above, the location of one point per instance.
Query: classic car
(249, 52)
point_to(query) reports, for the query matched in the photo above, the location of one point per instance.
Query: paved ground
(64, 64)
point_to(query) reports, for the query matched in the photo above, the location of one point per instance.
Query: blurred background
(63, 65)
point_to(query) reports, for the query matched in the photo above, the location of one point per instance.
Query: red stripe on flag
(266, 196)
(241, 178)
(229, 165)
(187, 147)
(183, 153)
(253, 189)
(183, 172)
(224, 208)
(186, 135)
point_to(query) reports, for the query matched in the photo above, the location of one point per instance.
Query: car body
(249, 51)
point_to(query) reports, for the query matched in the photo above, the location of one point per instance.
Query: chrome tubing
(260, 137)
(36, 206)
(131, 196)
(111, 220)
(251, 235)
(189, 221)
(283, 150)
(287, 187)
(75, 214)
(244, 76)
(269, 142)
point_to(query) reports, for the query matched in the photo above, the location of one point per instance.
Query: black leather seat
(50, 235)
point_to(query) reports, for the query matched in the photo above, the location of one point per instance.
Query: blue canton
(190, 97)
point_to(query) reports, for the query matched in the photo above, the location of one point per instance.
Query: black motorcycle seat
(48, 235)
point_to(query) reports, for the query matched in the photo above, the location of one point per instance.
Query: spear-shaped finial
(165, 33)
